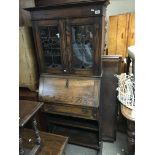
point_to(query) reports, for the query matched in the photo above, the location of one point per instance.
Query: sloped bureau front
(73, 96)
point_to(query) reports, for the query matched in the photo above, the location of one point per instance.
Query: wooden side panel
(131, 32)
(122, 34)
(112, 35)
(27, 62)
(108, 105)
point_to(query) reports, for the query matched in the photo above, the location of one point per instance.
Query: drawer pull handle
(67, 83)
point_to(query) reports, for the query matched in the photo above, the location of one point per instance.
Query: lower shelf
(73, 122)
(77, 136)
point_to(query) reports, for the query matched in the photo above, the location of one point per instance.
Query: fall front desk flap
(70, 90)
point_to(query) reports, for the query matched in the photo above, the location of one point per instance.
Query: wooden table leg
(131, 137)
(34, 124)
(21, 149)
(99, 152)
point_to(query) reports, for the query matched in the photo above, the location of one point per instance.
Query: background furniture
(52, 144)
(121, 34)
(37, 142)
(28, 76)
(129, 115)
(27, 111)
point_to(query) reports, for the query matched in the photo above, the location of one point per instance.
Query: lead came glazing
(82, 43)
(50, 40)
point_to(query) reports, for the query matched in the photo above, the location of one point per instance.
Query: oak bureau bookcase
(69, 41)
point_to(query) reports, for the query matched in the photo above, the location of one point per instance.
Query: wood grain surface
(52, 144)
(64, 2)
(70, 91)
(27, 61)
(27, 109)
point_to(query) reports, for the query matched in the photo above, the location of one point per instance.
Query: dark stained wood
(71, 96)
(108, 97)
(36, 131)
(52, 144)
(76, 136)
(26, 94)
(21, 148)
(27, 109)
(70, 90)
(73, 122)
(65, 18)
(44, 13)
(129, 114)
(72, 110)
(64, 2)
(67, 95)
(40, 52)
(131, 137)
(63, 45)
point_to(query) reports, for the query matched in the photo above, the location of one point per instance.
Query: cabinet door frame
(39, 48)
(95, 22)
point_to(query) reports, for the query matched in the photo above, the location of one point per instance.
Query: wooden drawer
(71, 110)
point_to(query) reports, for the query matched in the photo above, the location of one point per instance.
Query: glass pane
(50, 39)
(82, 44)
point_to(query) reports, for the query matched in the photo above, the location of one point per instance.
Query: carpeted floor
(119, 147)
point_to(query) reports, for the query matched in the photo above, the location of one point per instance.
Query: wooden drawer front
(70, 110)
(69, 90)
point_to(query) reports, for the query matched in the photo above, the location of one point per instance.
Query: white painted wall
(120, 6)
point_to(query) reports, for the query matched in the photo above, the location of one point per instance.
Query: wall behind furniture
(120, 6)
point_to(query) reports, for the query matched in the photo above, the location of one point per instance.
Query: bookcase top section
(51, 4)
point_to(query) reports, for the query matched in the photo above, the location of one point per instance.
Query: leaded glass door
(84, 32)
(49, 45)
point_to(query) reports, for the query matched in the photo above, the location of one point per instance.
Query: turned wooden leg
(34, 124)
(131, 137)
(100, 148)
(21, 149)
